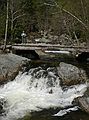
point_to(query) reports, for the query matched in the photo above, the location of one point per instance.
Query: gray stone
(83, 103)
(71, 74)
(10, 65)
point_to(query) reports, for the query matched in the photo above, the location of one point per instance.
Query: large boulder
(70, 74)
(10, 65)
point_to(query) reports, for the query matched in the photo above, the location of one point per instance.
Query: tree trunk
(12, 18)
(6, 28)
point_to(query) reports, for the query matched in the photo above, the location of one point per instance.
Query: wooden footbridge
(53, 47)
(41, 48)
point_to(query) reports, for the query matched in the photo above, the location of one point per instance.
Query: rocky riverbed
(68, 75)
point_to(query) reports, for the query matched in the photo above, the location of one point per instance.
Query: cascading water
(35, 90)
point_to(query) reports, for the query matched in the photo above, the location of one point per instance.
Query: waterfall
(35, 90)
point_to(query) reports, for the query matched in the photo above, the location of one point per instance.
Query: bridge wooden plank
(44, 46)
(49, 45)
(7, 47)
(49, 48)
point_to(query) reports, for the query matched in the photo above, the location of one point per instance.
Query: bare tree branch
(18, 17)
(49, 4)
(76, 18)
(19, 9)
(66, 11)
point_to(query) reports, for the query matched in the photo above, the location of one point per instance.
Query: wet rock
(26, 117)
(41, 74)
(10, 65)
(83, 103)
(70, 74)
(53, 70)
(51, 91)
(34, 71)
(2, 104)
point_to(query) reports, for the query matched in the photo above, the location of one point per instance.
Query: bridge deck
(44, 46)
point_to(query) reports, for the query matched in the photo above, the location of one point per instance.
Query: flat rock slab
(10, 64)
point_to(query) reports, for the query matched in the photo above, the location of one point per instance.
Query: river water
(36, 94)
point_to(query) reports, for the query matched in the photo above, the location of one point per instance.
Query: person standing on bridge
(23, 35)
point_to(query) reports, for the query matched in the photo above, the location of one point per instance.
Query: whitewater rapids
(36, 90)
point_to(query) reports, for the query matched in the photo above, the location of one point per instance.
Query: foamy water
(34, 91)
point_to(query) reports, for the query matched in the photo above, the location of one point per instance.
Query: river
(36, 94)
